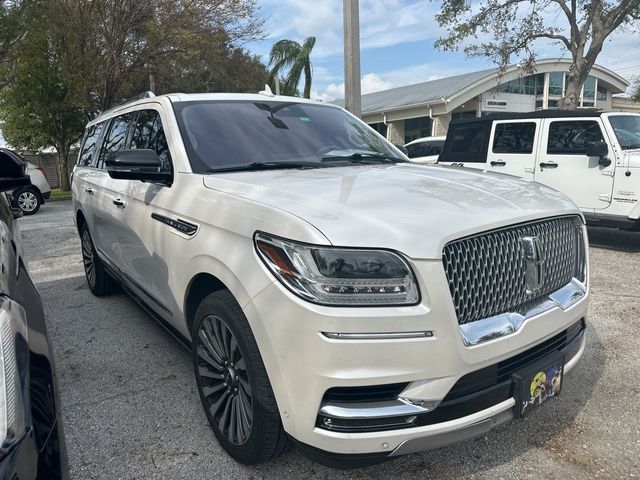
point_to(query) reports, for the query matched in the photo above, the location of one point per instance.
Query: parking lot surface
(131, 410)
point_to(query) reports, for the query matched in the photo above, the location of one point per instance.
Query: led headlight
(13, 377)
(339, 276)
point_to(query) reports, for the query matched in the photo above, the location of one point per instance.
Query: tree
(636, 91)
(12, 32)
(297, 58)
(36, 106)
(511, 28)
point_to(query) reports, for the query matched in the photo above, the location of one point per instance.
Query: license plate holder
(537, 383)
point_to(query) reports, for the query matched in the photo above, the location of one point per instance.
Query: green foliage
(636, 91)
(503, 29)
(288, 54)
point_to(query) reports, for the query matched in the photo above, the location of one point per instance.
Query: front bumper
(303, 363)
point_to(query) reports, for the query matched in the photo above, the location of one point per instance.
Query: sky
(396, 40)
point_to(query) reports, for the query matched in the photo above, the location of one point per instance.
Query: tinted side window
(514, 137)
(417, 150)
(149, 133)
(467, 143)
(434, 148)
(115, 139)
(89, 145)
(571, 136)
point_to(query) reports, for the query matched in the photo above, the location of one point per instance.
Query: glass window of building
(416, 128)
(468, 115)
(556, 83)
(589, 92)
(601, 93)
(381, 128)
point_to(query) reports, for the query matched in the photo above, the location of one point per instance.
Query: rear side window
(116, 138)
(89, 145)
(466, 143)
(570, 137)
(514, 137)
(417, 150)
(148, 133)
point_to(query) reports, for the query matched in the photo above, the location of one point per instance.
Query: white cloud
(369, 83)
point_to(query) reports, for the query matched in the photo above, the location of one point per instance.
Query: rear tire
(99, 281)
(29, 200)
(232, 382)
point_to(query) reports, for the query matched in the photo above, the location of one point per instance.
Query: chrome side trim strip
(371, 410)
(508, 323)
(378, 336)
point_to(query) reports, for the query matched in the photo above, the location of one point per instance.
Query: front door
(563, 163)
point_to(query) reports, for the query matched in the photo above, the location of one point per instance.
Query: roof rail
(140, 96)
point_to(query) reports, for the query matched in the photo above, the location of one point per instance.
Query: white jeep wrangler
(593, 157)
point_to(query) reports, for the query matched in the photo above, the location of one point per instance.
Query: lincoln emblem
(534, 263)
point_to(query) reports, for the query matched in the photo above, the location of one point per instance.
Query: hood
(409, 208)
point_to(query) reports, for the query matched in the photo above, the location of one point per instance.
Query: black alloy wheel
(232, 382)
(224, 379)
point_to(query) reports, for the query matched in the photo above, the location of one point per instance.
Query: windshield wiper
(364, 158)
(265, 166)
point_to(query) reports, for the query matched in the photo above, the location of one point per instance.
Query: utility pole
(352, 101)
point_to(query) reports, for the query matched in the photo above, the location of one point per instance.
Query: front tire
(99, 280)
(232, 382)
(29, 200)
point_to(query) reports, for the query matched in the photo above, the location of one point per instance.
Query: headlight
(339, 276)
(13, 373)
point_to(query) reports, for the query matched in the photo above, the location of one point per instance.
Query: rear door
(512, 147)
(563, 163)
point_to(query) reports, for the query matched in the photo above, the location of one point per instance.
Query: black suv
(31, 435)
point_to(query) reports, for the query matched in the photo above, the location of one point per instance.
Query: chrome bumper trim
(378, 336)
(508, 323)
(371, 410)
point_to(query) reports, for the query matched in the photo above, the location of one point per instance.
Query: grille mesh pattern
(486, 272)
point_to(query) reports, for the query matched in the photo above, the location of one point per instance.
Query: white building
(423, 109)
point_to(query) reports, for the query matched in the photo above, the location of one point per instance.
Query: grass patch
(57, 194)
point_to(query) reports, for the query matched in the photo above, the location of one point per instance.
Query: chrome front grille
(487, 272)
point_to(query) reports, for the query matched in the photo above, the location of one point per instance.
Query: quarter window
(514, 137)
(89, 145)
(571, 137)
(149, 133)
(115, 139)
(468, 143)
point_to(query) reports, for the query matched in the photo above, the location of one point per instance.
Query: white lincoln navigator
(331, 291)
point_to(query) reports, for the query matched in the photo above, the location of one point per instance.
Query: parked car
(31, 434)
(593, 157)
(330, 290)
(425, 150)
(29, 197)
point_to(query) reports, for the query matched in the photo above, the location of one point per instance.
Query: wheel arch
(80, 220)
(199, 287)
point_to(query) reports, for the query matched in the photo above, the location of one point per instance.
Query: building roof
(454, 91)
(423, 93)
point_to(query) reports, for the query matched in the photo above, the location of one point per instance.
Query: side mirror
(597, 149)
(13, 172)
(137, 164)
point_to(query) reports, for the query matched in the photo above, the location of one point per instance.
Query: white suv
(328, 288)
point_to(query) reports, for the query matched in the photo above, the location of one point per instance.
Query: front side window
(514, 137)
(627, 130)
(570, 137)
(115, 139)
(147, 132)
(241, 135)
(89, 145)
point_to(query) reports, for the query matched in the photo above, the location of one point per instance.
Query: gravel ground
(131, 410)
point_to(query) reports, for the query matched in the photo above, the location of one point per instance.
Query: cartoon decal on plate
(544, 385)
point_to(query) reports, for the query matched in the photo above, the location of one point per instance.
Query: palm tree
(290, 54)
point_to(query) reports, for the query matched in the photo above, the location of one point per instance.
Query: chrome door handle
(498, 163)
(548, 165)
(90, 190)
(118, 202)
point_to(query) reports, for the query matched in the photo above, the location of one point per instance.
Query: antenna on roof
(267, 91)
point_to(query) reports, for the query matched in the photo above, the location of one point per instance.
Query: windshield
(245, 135)
(627, 129)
